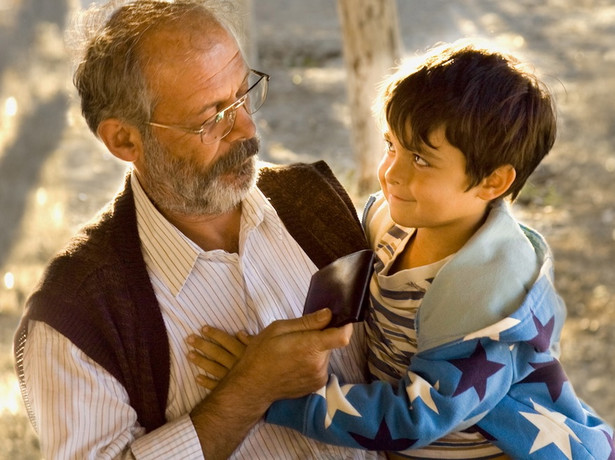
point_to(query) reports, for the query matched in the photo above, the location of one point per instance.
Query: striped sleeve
(84, 412)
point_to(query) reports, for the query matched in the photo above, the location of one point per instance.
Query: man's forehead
(198, 30)
(178, 49)
(202, 73)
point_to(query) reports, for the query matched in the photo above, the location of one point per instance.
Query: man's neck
(210, 232)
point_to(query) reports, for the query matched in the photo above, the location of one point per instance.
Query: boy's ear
(497, 183)
(122, 139)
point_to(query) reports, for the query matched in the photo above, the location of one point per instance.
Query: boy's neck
(429, 245)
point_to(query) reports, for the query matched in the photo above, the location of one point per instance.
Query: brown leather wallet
(343, 287)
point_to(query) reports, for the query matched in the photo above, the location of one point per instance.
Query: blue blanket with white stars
(503, 379)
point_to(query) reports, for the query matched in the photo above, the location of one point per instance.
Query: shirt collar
(171, 254)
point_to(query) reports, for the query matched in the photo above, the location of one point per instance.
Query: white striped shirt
(83, 412)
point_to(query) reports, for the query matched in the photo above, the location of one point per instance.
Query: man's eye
(219, 117)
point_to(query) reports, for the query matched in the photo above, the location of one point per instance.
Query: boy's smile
(428, 190)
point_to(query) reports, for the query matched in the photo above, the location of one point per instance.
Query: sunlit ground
(54, 176)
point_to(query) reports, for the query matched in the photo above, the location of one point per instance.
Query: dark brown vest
(98, 294)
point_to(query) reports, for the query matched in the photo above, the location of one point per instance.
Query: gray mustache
(237, 155)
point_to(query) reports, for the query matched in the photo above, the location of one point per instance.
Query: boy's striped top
(392, 340)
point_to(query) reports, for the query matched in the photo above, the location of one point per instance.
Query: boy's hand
(215, 352)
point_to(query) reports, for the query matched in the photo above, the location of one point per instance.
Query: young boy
(464, 322)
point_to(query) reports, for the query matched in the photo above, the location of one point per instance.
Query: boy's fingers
(226, 341)
(211, 367)
(213, 351)
(206, 382)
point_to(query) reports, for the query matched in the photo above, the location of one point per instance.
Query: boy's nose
(397, 172)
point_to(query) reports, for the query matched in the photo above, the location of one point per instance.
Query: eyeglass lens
(222, 124)
(257, 93)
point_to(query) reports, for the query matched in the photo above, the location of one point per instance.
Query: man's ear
(122, 139)
(497, 183)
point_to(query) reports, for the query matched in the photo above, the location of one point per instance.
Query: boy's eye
(419, 160)
(388, 146)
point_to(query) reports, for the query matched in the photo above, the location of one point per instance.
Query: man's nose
(243, 127)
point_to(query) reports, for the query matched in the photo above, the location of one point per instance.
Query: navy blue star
(551, 374)
(612, 444)
(476, 369)
(543, 334)
(383, 440)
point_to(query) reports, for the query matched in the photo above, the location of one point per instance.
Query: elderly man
(199, 235)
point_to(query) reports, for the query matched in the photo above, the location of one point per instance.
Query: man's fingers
(314, 321)
(336, 337)
(244, 337)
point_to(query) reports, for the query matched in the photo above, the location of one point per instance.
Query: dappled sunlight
(8, 122)
(54, 175)
(9, 280)
(46, 157)
(10, 107)
(10, 396)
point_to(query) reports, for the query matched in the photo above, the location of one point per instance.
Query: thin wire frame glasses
(220, 124)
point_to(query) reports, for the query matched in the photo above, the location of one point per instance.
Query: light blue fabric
(501, 376)
(485, 281)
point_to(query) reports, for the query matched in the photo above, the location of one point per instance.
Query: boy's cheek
(382, 169)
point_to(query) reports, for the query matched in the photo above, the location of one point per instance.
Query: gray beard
(179, 185)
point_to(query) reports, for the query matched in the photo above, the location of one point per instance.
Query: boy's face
(428, 189)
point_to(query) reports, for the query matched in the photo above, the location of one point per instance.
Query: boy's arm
(441, 393)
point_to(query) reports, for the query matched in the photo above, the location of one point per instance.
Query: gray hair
(109, 74)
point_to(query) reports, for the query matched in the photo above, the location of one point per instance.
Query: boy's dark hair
(495, 112)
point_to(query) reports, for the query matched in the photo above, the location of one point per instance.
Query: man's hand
(216, 352)
(287, 359)
(290, 358)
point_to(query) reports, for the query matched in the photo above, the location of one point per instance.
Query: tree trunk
(372, 45)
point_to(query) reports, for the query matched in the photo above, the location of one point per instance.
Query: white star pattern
(551, 430)
(335, 396)
(420, 388)
(493, 332)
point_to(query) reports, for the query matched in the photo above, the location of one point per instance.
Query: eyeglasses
(219, 125)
